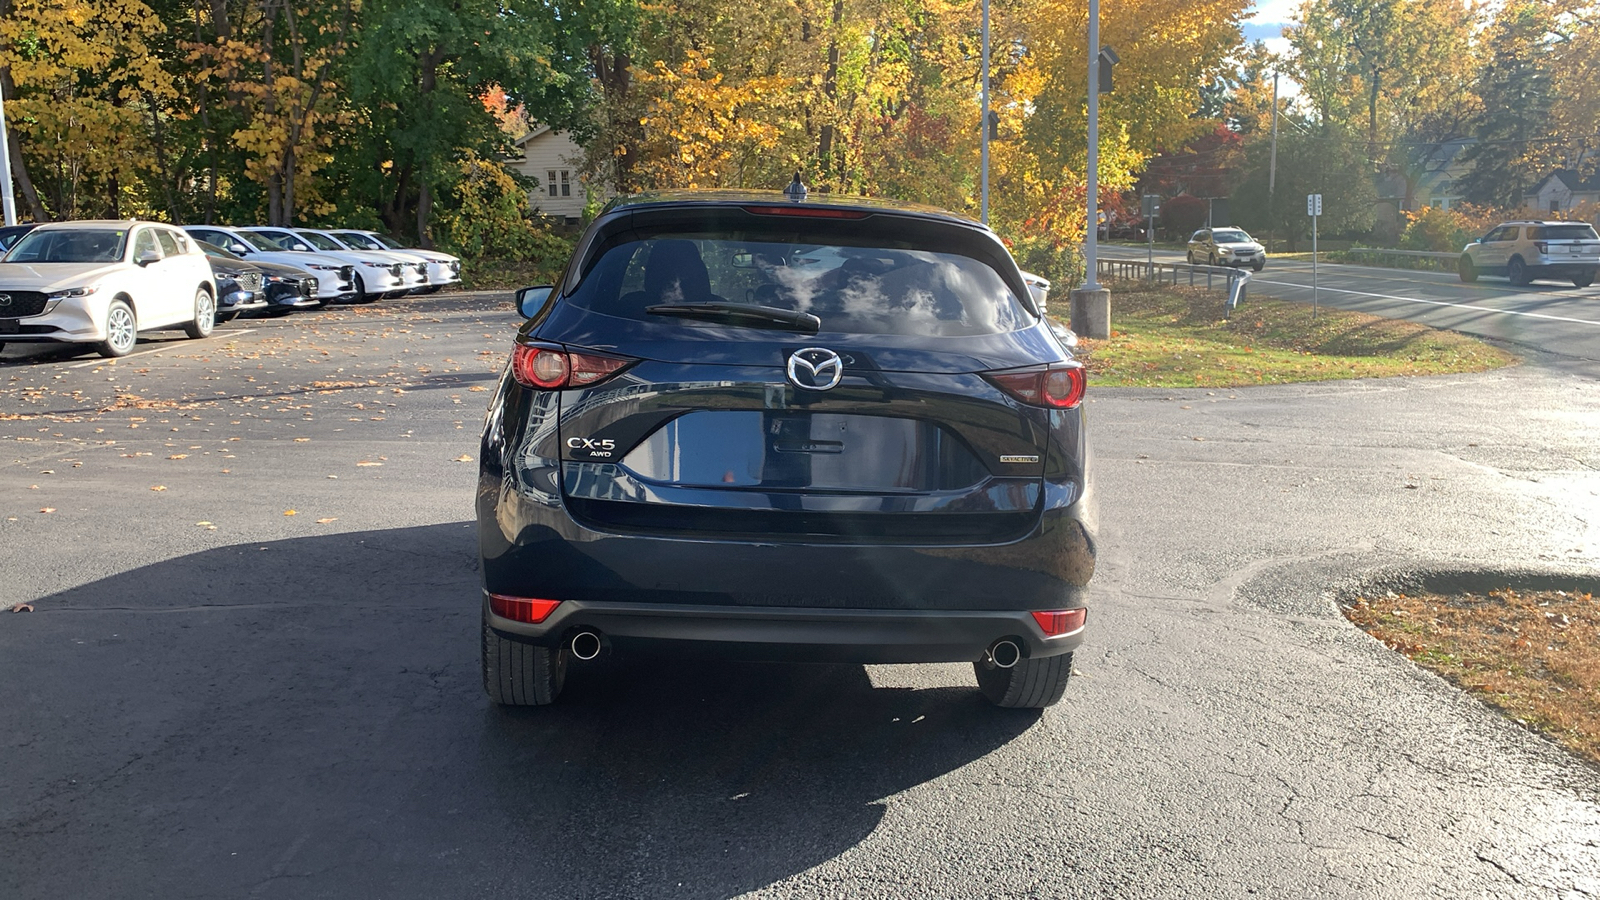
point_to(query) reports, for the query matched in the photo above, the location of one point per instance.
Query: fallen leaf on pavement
(290, 512)
(327, 520)
(179, 456)
(463, 458)
(23, 607)
(48, 509)
(368, 462)
(303, 440)
(477, 388)
(158, 487)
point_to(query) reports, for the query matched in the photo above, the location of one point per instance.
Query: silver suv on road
(1523, 251)
(1226, 247)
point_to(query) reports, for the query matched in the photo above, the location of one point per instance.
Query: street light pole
(8, 200)
(1090, 244)
(983, 125)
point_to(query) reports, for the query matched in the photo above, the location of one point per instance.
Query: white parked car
(416, 272)
(376, 275)
(335, 277)
(104, 282)
(443, 269)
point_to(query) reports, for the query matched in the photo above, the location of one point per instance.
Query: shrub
(1058, 262)
(1448, 230)
(491, 219)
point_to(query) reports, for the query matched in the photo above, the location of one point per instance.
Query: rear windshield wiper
(741, 314)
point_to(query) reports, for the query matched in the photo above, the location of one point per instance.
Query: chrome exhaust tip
(1004, 653)
(586, 645)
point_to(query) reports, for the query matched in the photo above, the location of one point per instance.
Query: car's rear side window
(1575, 232)
(851, 288)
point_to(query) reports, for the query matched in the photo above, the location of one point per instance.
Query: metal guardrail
(1232, 279)
(1444, 262)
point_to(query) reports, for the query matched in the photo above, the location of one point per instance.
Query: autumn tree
(82, 89)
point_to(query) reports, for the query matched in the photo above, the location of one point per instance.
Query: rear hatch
(1576, 242)
(884, 431)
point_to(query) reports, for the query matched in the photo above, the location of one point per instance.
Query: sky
(1267, 22)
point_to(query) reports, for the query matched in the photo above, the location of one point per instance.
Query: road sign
(1313, 204)
(1314, 209)
(1149, 205)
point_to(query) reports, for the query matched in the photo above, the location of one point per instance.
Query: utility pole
(8, 200)
(1091, 303)
(983, 142)
(1272, 168)
(1092, 173)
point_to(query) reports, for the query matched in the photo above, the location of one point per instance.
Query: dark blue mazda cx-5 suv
(833, 429)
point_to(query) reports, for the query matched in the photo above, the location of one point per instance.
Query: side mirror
(744, 261)
(532, 300)
(303, 248)
(238, 249)
(146, 257)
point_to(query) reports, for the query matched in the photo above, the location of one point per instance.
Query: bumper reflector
(1063, 621)
(522, 609)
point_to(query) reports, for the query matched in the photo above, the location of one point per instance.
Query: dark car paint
(283, 296)
(10, 234)
(776, 566)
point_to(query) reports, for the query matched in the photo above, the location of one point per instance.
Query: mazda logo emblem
(815, 369)
(5, 299)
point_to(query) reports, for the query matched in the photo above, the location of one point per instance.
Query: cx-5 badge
(815, 369)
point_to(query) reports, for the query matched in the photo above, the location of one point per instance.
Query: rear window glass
(1563, 233)
(852, 289)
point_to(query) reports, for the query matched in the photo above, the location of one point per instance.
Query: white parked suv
(416, 268)
(336, 278)
(376, 275)
(443, 269)
(103, 283)
(1523, 251)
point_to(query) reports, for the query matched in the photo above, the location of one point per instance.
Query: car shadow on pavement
(304, 718)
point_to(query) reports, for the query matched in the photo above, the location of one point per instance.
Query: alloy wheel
(121, 330)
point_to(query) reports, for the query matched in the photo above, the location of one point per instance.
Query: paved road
(1551, 316)
(216, 699)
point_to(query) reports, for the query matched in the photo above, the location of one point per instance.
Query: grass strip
(1167, 336)
(1534, 655)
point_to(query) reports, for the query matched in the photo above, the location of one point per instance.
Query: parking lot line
(101, 362)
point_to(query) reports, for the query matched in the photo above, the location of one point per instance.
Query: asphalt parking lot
(252, 665)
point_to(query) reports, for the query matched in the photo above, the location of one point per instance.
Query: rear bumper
(1556, 268)
(793, 633)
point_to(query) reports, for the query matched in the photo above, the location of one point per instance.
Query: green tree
(1516, 91)
(1311, 160)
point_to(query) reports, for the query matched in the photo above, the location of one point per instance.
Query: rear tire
(1190, 257)
(1468, 271)
(1030, 684)
(205, 315)
(518, 674)
(1517, 271)
(1582, 281)
(122, 331)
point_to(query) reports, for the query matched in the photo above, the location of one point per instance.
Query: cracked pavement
(214, 698)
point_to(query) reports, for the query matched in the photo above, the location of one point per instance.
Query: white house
(552, 160)
(1562, 191)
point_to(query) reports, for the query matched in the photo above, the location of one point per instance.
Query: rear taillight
(552, 368)
(1541, 246)
(1059, 387)
(1056, 623)
(522, 609)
